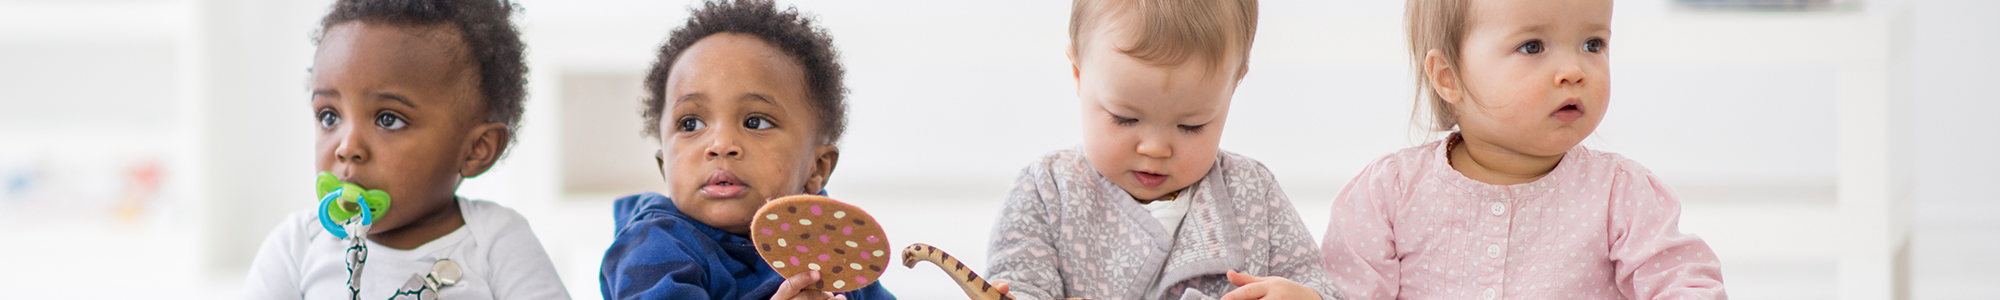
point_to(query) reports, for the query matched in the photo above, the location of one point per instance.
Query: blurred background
(1827, 149)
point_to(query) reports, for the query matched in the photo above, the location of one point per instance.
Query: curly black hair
(494, 44)
(786, 29)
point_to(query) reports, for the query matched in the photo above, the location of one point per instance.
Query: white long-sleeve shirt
(500, 257)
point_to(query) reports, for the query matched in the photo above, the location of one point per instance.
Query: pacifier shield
(345, 207)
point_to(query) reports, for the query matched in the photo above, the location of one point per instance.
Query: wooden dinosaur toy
(975, 287)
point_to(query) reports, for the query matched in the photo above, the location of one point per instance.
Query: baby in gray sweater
(1149, 207)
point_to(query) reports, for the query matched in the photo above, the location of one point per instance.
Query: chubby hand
(1267, 287)
(797, 288)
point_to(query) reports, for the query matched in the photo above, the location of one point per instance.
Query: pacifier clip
(354, 230)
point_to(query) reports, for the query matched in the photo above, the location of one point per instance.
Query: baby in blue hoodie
(752, 103)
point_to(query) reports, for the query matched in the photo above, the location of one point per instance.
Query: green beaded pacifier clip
(348, 202)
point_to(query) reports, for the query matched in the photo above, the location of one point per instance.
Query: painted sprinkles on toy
(804, 233)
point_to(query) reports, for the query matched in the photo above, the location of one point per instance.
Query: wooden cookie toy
(804, 233)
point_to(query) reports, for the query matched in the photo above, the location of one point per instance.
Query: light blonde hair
(1170, 32)
(1436, 25)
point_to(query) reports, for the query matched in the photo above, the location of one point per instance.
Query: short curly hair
(494, 44)
(788, 30)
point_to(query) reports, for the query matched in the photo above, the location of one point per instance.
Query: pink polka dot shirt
(1599, 226)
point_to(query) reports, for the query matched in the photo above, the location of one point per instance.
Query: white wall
(1958, 227)
(949, 100)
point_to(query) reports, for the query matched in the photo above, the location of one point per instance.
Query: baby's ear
(825, 157)
(484, 146)
(660, 161)
(1443, 76)
(1242, 71)
(1075, 72)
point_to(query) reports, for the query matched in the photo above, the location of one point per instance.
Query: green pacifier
(346, 207)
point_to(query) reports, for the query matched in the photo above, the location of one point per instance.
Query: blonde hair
(1436, 25)
(1169, 32)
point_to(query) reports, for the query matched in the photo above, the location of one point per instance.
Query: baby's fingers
(1248, 292)
(1240, 279)
(1272, 288)
(792, 287)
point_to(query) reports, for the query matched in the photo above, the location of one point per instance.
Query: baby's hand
(795, 288)
(1268, 287)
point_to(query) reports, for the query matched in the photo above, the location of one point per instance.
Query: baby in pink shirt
(1510, 206)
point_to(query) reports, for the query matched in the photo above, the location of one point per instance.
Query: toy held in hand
(969, 281)
(804, 233)
(342, 201)
(975, 287)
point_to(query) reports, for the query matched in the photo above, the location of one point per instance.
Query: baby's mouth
(723, 185)
(1149, 179)
(1571, 111)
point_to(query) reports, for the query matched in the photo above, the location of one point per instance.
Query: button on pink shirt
(1599, 226)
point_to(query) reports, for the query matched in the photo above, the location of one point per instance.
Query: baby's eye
(1530, 47)
(390, 121)
(691, 124)
(1123, 120)
(756, 123)
(1191, 128)
(1594, 45)
(328, 119)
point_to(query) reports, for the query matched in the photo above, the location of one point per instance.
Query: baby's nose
(724, 145)
(351, 148)
(1155, 148)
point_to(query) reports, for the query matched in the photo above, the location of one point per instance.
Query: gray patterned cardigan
(1067, 231)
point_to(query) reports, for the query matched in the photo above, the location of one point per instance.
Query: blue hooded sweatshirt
(661, 253)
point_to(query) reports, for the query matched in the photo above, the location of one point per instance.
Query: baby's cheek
(1107, 156)
(1195, 158)
(1603, 91)
(781, 179)
(1520, 113)
(683, 179)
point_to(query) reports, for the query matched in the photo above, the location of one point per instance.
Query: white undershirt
(1169, 212)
